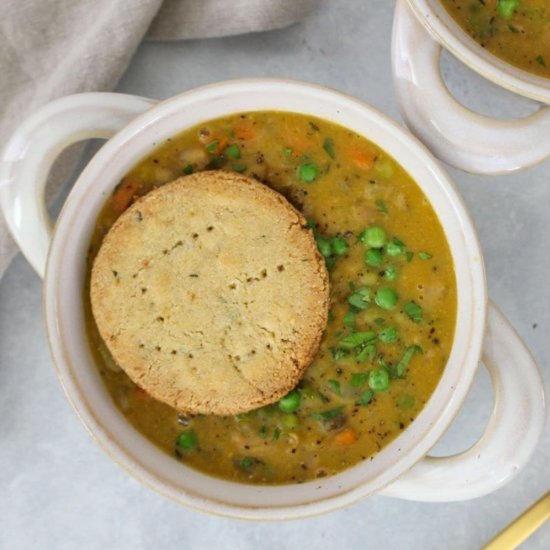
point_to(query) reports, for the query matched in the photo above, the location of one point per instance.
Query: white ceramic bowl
(460, 137)
(138, 126)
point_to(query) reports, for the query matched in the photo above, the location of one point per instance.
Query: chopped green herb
(513, 29)
(356, 339)
(290, 402)
(350, 319)
(335, 386)
(409, 256)
(187, 440)
(287, 151)
(245, 415)
(338, 353)
(233, 151)
(380, 321)
(390, 273)
(374, 237)
(405, 360)
(247, 463)
(216, 162)
(359, 379)
(381, 206)
(424, 255)
(379, 380)
(276, 434)
(188, 169)
(366, 398)
(310, 224)
(386, 298)
(314, 126)
(368, 353)
(328, 146)
(373, 257)
(212, 147)
(328, 415)
(339, 246)
(308, 172)
(360, 298)
(290, 421)
(395, 248)
(388, 335)
(238, 167)
(540, 60)
(414, 311)
(262, 434)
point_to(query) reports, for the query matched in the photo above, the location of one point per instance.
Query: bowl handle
(513, 431)
(28, 157)
(458, 136)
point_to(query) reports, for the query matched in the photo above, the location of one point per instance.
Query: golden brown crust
(210, 293)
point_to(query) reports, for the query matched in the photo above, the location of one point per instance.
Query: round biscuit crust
(210, 294)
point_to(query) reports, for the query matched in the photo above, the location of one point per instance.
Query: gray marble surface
(58, 489)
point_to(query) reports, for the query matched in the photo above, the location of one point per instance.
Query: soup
(392, 301)
(516, 31)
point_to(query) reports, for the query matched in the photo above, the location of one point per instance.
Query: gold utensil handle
(521, 528)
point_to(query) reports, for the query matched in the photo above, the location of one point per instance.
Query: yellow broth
(344, 185)
(516, 31)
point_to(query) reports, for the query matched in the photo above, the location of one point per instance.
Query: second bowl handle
(458, 136)
(28, 157)
(514, 429)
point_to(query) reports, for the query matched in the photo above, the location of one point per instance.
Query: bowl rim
(451, 391)
(445, 30)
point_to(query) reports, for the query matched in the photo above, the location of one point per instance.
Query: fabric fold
(51, 49)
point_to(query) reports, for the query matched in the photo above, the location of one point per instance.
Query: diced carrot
(296, 141)
(346, 437)
(140, 392)
(244, 130)
(362, 159)
(222, 144)
(124, 195)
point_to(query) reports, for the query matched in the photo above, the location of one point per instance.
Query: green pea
(386, 298)
(324, 246)
(374, 237)
(506, 8)
(187, 440)
(233, 151)
(379, 380)
(290, 402)
(308, 172)
(373, 257)
(339, 246)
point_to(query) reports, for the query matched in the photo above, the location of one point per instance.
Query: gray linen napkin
(57, 47)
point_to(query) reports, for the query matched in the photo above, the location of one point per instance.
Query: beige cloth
(50, 48)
